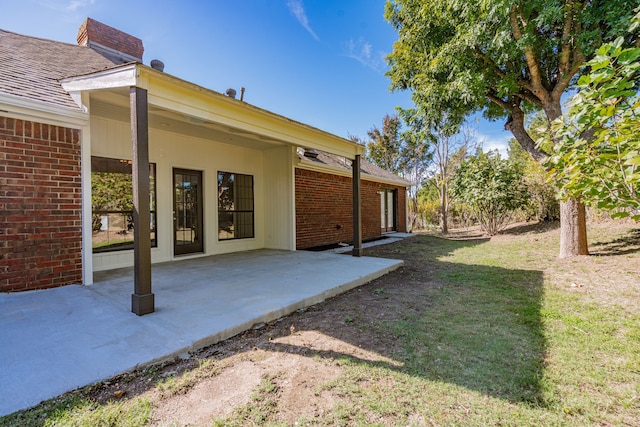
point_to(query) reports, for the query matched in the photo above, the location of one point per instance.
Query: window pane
(112, 204)
(235, 206)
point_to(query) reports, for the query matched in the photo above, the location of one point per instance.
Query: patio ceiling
(115, 105)
(182, 107)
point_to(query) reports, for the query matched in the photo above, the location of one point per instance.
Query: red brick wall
(40, 206)
(402, 209)
(324, 209)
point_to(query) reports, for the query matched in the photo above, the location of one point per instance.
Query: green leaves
(597, 151)
(492, 187)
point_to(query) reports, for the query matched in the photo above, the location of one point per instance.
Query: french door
(188, 232)
(388, 210)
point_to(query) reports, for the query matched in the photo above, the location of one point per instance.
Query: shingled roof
(31, 67)
(367, 168)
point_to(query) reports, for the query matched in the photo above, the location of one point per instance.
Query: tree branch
(526, 95)
(570, 61)
(515, 125)
(497, 100)
(488, 61)
(564, 53)
(523, 83)
(533, 64)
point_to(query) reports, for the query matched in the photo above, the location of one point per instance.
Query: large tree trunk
(573, 218)
(573, 229)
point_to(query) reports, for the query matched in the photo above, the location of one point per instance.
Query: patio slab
(56, 340)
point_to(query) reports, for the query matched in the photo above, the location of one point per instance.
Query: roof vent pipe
(241, 93)
(231, 93)
(156, 64)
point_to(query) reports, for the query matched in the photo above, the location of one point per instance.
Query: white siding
(169, 150)
(279, 203)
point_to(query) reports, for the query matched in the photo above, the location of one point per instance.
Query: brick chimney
(110, 42)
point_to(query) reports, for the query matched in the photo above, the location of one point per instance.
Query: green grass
(502, 340)
(80, 412)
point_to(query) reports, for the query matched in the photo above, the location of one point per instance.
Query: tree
(415, 159)
(597, 151)
(492, 187)
(428, 203)
(543, 204)
(384, 147)
(402, 152)
(506, 58)
(449, 151)
(447, 148)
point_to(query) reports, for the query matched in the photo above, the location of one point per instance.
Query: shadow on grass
(626, 245)
(532, 228)
(472, 325)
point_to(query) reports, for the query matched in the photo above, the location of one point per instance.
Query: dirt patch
(217, 397)
(212, 397)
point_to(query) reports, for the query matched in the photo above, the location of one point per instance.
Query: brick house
(80, 125)
(323, 200)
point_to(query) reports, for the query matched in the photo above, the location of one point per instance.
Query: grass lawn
(471, 331)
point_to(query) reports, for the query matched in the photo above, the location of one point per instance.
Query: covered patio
(153, 121)
(78, 335)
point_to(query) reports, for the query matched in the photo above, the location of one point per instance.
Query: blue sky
(320, 62)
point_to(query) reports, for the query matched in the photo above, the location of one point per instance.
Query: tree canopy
(403, 151)
(504, 58)
(385, 145)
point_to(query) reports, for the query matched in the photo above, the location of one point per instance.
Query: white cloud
(362, 51)
(297, 9)
(492, 142)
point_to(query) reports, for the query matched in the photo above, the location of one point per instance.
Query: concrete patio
(56, 340)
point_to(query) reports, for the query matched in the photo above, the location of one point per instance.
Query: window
(112, 204)
(235, 206)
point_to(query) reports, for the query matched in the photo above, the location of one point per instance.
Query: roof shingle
(366, 167)
(31, 67)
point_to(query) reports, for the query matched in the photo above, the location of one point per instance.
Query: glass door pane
(187, 211)
(390, 211)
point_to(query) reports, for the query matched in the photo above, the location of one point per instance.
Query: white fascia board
(22, 108)
(125, 76)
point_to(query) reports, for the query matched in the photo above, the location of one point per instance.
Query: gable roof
(368, 169)
(31, 67)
